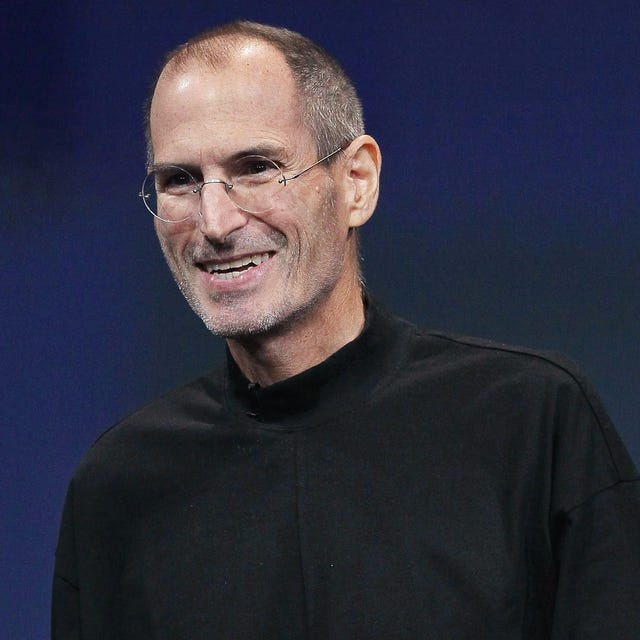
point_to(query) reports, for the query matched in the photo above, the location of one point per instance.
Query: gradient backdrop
(509, 209)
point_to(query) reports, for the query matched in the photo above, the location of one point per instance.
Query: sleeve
(598, 592)
(65, 610)
(596, 526)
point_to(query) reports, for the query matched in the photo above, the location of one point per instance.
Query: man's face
(246, 274)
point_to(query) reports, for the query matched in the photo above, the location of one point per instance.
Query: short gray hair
(330, 107)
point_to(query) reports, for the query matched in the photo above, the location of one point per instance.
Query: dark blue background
(509, 209)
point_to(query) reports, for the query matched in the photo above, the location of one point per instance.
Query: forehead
(250, 98)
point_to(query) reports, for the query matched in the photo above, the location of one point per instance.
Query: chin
(230, 318)
(253, 321)
(228, 325)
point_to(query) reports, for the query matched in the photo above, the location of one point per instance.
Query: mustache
(244, 243)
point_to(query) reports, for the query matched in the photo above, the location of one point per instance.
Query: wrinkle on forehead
(251, 96)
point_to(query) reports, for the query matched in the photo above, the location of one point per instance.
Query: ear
(362, 178)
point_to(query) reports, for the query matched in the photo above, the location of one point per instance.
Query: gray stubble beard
(267, 321)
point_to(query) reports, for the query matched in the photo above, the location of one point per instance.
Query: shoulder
(490, 361)
(464, 368)
(190, 409)
(534, 390)
(441, 353)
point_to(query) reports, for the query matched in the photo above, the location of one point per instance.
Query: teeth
(226, 270)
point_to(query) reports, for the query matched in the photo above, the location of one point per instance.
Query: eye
(256, 168)
(173, 180)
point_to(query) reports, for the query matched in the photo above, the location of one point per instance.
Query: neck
(304, 342)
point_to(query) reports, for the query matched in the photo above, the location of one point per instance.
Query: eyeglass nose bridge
(227, 188)
(227, 185)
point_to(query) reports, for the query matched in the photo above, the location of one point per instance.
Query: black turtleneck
(348, 377)
(413, 485)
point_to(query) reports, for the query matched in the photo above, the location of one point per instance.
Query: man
(347, 475)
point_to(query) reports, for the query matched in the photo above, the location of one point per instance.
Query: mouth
(235, 268)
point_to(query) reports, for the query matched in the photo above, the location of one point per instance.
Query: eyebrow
(271, 151)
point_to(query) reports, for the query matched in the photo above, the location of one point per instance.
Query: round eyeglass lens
(255, 183)
(172, 194)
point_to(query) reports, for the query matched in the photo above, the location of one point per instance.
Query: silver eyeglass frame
(228, 186)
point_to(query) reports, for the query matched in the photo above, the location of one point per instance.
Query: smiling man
(277, 275)
(347, 475)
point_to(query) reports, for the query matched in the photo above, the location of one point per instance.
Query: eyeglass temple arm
(284, 179)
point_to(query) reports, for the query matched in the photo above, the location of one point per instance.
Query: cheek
(173, 237)
(323, 238)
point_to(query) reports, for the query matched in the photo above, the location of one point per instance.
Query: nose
(218, 215)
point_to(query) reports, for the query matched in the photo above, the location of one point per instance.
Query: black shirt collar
(344, 379)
